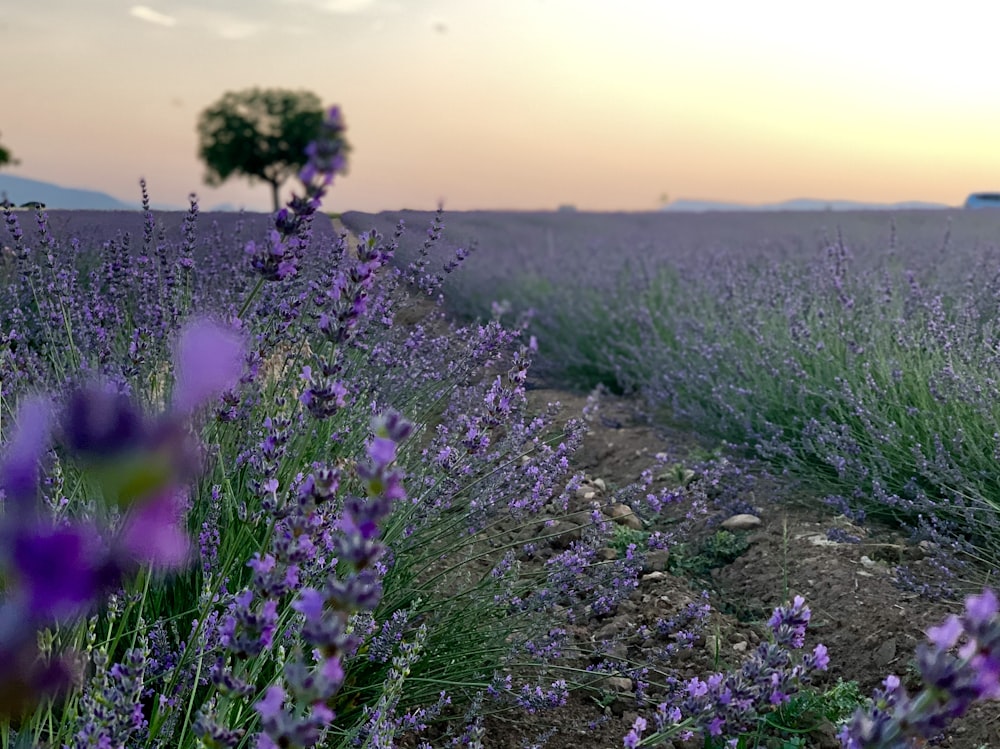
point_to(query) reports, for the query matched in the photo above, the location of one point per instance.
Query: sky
(521, 104)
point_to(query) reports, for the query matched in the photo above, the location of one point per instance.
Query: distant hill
(22, 190)
(800, 204)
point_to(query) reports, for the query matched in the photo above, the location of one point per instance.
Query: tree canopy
(6, 157)
(260, 134)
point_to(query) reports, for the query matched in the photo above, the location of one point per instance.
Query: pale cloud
(344, 7)
(151, 16)
(238, 29)
(225, 25)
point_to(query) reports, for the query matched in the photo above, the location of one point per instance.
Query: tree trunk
(274, 195)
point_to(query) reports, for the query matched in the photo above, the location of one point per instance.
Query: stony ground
(869, 624)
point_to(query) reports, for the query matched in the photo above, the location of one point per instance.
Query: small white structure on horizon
(983, 200)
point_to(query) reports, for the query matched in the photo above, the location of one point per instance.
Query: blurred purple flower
(26, 677)
(310, 603)
(946, 635)
(952, 683)
(59, 571)
(382, 451)
(19, 470)
(154, 532)
(209, 361)
(99, 422)
(271, 705)
(983, 608)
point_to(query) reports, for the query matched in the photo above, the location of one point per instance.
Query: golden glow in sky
(521, 103)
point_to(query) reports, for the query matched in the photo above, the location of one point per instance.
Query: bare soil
(869, 625)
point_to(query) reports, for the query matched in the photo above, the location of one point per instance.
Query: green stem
(253, 295)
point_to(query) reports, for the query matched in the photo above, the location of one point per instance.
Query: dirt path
(869, 625)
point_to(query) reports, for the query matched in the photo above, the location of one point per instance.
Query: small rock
(565, 533)
(653, 576)
(741, 522)
(623, 515)
(868, 562)
(607, 554)
(608, 631)
(656, 561)
(886, 652)
(818, 539)
(621, 684)
(599, 483)
(740, 647)
(827, 734)
(713, 644)
(889, 553)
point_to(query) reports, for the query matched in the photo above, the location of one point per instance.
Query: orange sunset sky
(521, 104)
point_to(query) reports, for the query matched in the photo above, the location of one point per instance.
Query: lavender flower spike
(953, 681)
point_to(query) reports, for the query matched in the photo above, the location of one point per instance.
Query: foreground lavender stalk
(954, 680)
(727, 705)
(56, 571)
(296, 711)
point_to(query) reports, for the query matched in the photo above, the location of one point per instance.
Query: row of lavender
(242, 505)
(864, 360)
(857, 352)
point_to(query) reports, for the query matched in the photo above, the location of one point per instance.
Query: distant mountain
(22, 190)
(800, 204)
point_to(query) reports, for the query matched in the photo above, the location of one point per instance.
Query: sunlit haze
(521, 104)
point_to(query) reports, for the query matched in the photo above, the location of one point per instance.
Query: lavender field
(261, 488)
(858, 351)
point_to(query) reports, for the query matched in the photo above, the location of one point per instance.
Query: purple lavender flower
(58, 572)
(953, 681)
(209, 361)
(98, 422)
(328, 153)
(634, 736)
(154, 532)
(19, 469)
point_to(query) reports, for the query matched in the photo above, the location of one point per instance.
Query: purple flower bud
(154, 532)
(209, 361)
(100, 423)
(272, 703)
(58, 571)
(19, 470)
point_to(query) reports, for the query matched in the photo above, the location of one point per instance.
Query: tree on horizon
(260, 134)
(6, 158)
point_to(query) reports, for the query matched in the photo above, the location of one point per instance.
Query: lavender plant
(339, 574)
(726, 707)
